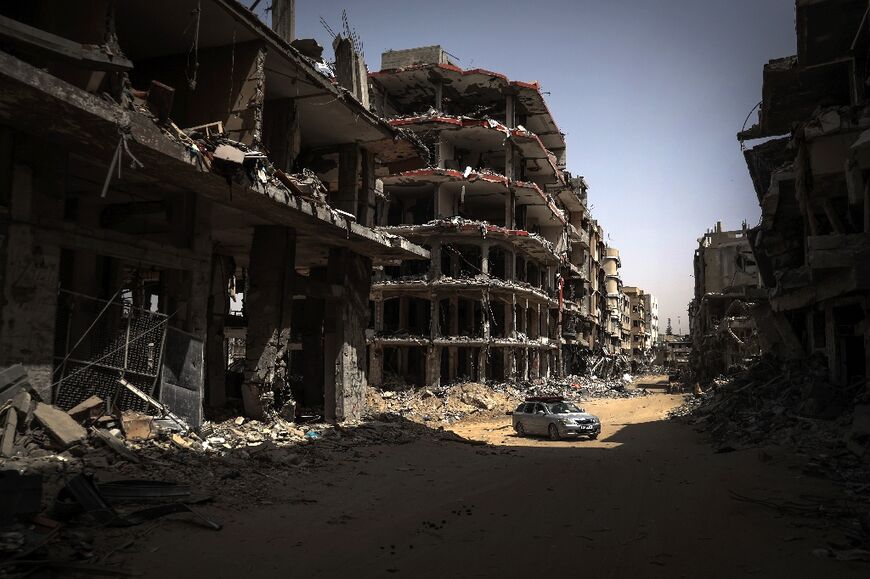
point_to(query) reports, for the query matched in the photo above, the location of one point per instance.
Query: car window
(520, 408)
(530, 408)
(540, 407)
(563, 408)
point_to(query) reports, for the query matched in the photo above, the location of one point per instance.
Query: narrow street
(650, 498)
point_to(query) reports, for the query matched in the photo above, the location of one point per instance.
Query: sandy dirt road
(650, 498)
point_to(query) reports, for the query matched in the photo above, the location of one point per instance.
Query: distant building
(651, 305)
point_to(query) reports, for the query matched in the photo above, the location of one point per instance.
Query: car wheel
(521, 430)
(593, 436)
(554, 432)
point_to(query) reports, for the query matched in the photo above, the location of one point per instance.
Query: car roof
(545, 399)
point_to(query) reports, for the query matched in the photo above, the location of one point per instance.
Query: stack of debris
(793, 407)
(445, 404)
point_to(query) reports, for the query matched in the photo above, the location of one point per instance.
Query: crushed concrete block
(230, 154)
(90, 408)
(63, 429)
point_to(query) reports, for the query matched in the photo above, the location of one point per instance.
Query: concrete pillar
(365, 213)
(269, 304)
(434, 316)
(484, 258)
(535, 370)
(347, 197)
(510, 208)
(312, 343)
(222, 269)
(452, 359)
(376, 365)
(284, 19)
(509, 368)
(435, 260)
(344, 336)
(510, 111)
(433, 366)
(29, 270)
(439, 95)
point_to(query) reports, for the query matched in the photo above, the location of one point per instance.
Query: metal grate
(101, 341)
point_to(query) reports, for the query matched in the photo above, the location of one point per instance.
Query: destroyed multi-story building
(157, 160)
(640, 342)
(509, 234)
(651, 307)
(727, 290)
(614, 303)
(812, 178)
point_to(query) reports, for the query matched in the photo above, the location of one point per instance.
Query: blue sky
(650, 94)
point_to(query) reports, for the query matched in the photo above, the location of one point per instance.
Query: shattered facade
(812, 178)
(179, 182)
(513, 287)
(640, 340)
(727, 292)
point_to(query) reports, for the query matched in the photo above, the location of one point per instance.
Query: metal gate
(101, 341)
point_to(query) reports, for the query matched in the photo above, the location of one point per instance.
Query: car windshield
(564, 408)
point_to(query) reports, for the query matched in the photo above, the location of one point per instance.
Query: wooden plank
(28, 37)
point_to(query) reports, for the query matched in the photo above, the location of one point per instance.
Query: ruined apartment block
(640, 340)
(812, 178)
(651, 307)
(191, 212)
(727, 292)
(511, 288)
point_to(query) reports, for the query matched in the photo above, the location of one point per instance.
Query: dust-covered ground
(649, 498)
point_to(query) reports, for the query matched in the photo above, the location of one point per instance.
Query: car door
(538, 419)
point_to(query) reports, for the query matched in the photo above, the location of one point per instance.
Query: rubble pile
(450, 403)
(446, 404)
(793, 407)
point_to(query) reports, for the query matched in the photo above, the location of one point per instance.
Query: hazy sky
(650, 94)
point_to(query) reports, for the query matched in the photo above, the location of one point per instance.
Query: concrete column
(376, 365)
(366, 202)
(535, 370)
(454, 315)
(484, 314)
(312, 342)
(482, 357)
(484, 258)
(510, 111)
(510, 208)
(434, 316)
(526, 364)
(435, 260)
(433, 366)
(269, 303)
(452, 358)
(222, 269)
(509, 368)
(345, 344)
(379, 313)
(347, 198)
(439, 95)
(284, 19)
(29, 273)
